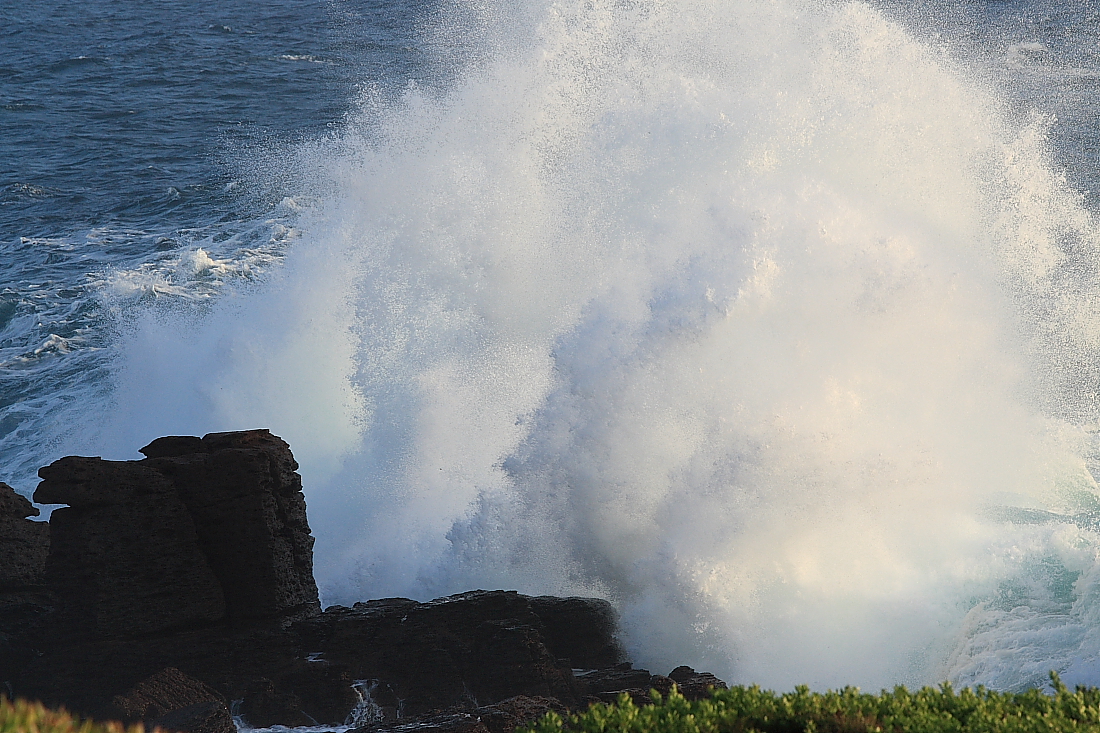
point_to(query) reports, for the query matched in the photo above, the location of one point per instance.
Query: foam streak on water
(739, 313)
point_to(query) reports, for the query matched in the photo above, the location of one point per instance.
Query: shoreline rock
(171, 586)
(24, 601)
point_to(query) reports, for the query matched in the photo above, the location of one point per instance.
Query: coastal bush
(32, 717)
(929, 710)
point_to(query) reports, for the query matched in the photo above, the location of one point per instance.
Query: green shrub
(930, 710)
(32, 717)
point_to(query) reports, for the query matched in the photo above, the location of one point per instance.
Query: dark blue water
(129, 130)
(128, 115)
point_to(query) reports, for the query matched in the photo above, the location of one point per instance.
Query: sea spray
(740, 314)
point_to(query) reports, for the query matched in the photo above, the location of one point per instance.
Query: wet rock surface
(481, 647)
(169, 587)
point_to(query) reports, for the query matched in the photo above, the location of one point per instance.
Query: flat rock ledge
(178, 589)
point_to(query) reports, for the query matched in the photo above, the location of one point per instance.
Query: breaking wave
(765, 319)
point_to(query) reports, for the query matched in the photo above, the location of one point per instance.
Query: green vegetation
(32, 717)
(750, 709)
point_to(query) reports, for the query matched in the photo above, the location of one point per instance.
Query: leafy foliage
(930, 710)
(32, 717)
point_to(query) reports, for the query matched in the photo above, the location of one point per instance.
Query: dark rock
(14, 505)
(173, 445)
(125, 558)
(605, 685)
(453, 721)
(195, 558)
(509, 657)
(521, 710)
(614, 680)
(175, 702)
(24, 544)
(299, 693)
(245, 495)
(580, 631)
(24, 617)
(663, 685)
(202, 717)
(480, 647)
(695, 685)
(203, 531)
(24, 602)
(264, 705)
(502, 717)
(86, 676)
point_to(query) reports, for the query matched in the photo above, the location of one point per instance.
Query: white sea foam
(738, 313)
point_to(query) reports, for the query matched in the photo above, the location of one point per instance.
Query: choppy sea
(776, 322)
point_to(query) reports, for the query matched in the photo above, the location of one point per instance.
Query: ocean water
(776, 322)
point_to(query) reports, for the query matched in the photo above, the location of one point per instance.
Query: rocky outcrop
(173, 584)
(125, 558)
(479, 647)
(201, 532)
(196, 557)
(245, 496)
(580, 631)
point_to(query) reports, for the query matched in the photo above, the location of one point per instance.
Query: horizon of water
(775, 322)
